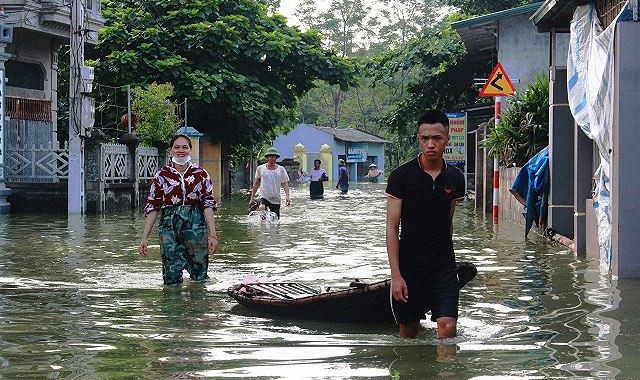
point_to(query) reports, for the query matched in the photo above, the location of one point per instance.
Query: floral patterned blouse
(171, 188)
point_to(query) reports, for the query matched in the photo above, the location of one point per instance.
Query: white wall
(524, 53)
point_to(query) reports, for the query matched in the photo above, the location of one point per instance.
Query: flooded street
(78, 302)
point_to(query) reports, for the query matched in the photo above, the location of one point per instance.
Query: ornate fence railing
(49, 163)
(42, 163)
(28, 109)
(115, 163)
(146, 162)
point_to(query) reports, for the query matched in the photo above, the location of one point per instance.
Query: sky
(287, 8)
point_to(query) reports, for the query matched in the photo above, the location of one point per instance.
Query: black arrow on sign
(495, 80)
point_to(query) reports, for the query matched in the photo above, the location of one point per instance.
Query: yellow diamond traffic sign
(498, 83)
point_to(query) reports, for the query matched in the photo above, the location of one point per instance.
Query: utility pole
(6, 37)
(129, 129)
(76, 143)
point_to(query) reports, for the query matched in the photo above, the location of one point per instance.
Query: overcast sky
(287, 8)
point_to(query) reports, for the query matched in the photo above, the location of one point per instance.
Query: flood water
(77, 302)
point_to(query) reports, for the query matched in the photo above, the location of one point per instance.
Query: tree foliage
(481, 7)
(155, 113)
(524, 127)
(442, 79)
(241, 68)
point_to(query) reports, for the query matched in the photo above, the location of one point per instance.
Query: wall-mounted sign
(357, 152)
(456, 151)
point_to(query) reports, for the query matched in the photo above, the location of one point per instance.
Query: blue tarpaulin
(531, 188)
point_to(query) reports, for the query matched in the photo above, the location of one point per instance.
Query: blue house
(358, 148)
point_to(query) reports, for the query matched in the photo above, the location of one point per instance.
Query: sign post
(497, 85)
(456, 151)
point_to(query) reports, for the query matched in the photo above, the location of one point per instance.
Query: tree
(481, 7)
(241, 68)
(156, 113)
(442, 78)
(272, 5)
(406, 21)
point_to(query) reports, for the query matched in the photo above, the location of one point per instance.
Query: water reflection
(76, 301)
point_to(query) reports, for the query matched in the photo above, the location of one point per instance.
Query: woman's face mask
(181, 160)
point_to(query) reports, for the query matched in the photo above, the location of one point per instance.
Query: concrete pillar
(212, 163)
(626, 160)
(94, 186)
(300, 152)
(326, 156)
(582, 178)
(561, 160)
(6, 36)
(487, 178)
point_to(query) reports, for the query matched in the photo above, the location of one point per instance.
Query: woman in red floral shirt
(183, 195)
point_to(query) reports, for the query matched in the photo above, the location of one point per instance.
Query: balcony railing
(28, 109)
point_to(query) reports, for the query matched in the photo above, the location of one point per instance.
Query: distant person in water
(343, 177)
(317, 176)
(182, 193)
(270, 177)
(373, 174)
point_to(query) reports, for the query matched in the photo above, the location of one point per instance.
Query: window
(25, 75)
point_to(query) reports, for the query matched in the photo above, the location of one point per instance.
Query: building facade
(358, 148)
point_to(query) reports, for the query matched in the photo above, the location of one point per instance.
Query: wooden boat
(361, 302)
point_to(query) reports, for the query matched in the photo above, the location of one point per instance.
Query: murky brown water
(77, 302)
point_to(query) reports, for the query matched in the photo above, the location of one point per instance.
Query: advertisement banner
(357, 152)
(456, 151)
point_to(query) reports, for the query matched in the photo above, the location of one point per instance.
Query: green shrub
(524, 127)
(156, 114)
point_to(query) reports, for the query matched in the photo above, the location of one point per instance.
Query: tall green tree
(406, 20)
(241, 68)
(345, 27)
(443, 79)
(481, 7)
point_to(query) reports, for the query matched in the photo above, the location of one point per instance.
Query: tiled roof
(352, 135)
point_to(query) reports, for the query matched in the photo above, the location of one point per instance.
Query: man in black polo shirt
(421, 196)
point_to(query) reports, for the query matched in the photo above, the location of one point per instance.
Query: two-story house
(40, 28)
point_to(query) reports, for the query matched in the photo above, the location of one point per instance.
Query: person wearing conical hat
(270, 177)
(373, 174)
(343, 177)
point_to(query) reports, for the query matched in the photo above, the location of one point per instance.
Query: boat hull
(363, 303)
(369, 304)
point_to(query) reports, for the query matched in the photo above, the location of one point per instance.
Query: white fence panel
(44, 163)
(115, 165)
(146, 162)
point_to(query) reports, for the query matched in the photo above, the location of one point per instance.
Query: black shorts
(429, 289)
(273, 207)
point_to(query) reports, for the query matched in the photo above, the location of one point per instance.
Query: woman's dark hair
(316, 160)
(175, 137)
